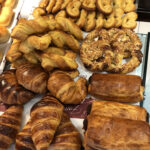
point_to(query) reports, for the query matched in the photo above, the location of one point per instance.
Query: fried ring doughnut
(73, 8)
(82, 20)
(128, 6)
(129, 20)
(105, 6)
(89, 5)
(90, 22)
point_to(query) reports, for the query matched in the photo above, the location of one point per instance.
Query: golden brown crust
(45, 118)
(4, 34)
(115, 87)
(73, 8)
(9, 3)
(118, 110)
(116, 133)
(37, 12)
(10, 91)
(50, 6)
(66, 136)
(32, 77)
(89, 5)
(64, 4)
(10, 122)
(128, 6)
(99, 20)
(43, 4)
(61, 13)
(57, 6)
(64, 88)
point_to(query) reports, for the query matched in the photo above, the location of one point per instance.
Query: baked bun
(4, 34)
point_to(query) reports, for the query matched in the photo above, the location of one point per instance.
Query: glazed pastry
(32, 77)
(24, 139)
(45, 118)
(62, 86)
(4, 34)
(66, 136)
(116, 87)
(116, 133)
(14, 53)
(10, 122)
(118, 110)
(10, 91)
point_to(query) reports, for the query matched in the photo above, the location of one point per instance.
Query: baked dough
(4, 34)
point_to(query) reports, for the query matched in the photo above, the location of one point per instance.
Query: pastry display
(62, 86)
(4, 34)
(115, 87)
(32, 77)
(10, 90)
(112, 47)
(10, 122)
(116, 133)
(118, 110)
(45, 118)
(116, 13)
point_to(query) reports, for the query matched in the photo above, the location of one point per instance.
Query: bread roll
(118, 110)
(4, 34)
(105, 133)
(116, 87)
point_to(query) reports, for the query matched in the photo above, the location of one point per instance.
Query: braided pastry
(24, 139)
(10, 122)
(62, 86)
(45, 118)
(14, 53)
(61, 39)
(35, 42)
(32, 77)
(10, 91)
(66, 136)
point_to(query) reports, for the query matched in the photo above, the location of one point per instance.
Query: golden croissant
(10, 122)
(45, 118)
(24, 138)
(10, 91)
(32, 77)
(62, 86)
(66, 136)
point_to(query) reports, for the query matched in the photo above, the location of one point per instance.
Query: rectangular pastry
(106, 133)
(118, 110)
(116, 87)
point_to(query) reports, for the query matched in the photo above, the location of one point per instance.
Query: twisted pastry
(69, 26)
(35, 42)
(66, 136)
(49, 61)
(10, 91)
(62, 86)
(14, 53)
(24, 139)
(61, 39)
(45, 118)
(24, 28)
(10, 122)
(32, 77)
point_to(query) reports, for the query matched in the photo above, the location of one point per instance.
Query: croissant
(62, 86)
(35, 42)
(24, 139)
(63, 62)
(10, 91)
(14, 53)
(61, 39)
(45, 118)
(66, 136)
(10, 122)
(24, 28)
(70, 27)
(32, 77)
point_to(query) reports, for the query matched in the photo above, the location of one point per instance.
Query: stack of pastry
(92, 14)
(112, 125)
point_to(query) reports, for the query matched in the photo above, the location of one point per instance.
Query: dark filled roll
(11, 92)
(106, 133)
(10, 122)
(116, 87)
(32, 77)
(45, 118)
